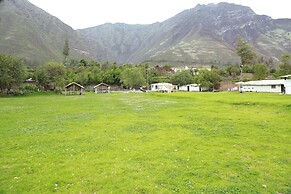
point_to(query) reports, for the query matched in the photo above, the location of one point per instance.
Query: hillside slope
(204, 34)
(32, 34)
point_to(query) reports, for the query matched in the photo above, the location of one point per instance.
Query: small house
(189, 88)
(102, 88)
(276, 86)
(74, 89)
(162, 87)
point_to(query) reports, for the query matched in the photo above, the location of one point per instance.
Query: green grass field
(146, 143)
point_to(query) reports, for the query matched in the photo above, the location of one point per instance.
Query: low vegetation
(145, 143)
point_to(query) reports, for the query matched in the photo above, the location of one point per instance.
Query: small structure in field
(102, 88)
(277, 86)
(162, 87)
(74, 89)
(190, 88)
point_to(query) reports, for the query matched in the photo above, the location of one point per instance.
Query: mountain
(34, 35)
(206, 34)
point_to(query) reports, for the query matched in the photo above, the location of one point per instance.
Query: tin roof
(263, 82)
(286, 76)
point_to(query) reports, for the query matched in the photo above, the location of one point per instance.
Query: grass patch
(146, 143)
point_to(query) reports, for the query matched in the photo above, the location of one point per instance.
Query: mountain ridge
(34, 35)
(205, 34)
(199, 35)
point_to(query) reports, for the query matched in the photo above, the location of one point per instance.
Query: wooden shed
(74, 89)
(102, 88)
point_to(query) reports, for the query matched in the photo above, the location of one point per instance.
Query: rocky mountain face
(34, 35)
(206, 34)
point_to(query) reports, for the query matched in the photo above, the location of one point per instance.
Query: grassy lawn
(146, 143)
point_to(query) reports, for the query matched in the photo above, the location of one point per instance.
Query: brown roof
(74, 83)
(101, 84)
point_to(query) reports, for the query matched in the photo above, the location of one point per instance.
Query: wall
(162, 87)
(277, 89)
(288, 86)
(191, 88)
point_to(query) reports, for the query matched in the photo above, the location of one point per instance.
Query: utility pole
(147, 78)
(240, 79)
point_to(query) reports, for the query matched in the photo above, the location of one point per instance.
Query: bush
(24, 89)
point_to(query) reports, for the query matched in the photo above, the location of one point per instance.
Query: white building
(162, 87)
(276, 86)
(190, 88)
(287, 83)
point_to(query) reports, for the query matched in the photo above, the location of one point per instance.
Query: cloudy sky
(88, 13)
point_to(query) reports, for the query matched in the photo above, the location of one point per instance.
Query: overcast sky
(87, 13)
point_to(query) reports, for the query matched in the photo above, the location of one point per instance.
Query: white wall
(288, 86)
(162, 87)
(288, 90)
(277, 89)
(192, 88)
(154, 87)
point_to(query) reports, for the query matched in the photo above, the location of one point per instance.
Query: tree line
(54, 76)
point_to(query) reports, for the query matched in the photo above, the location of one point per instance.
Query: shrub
(24, 89)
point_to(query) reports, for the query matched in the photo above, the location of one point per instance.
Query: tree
(233, 70)
(66, 51)
(83, 62)
(208, 79)
(51, 75)
(270, 63)
(285, 66)
(11, 72)
(260, 72)
(245, 52)
(132, 77)
(182, 78)
(112, 76)
(93, 63)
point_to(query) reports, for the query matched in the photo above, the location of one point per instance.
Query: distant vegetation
(53, 76)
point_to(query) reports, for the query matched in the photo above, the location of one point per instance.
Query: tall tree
(132, 77)
(11, 72)
(285, 66)
(66, 51)
(208, 79)
(245, 52)
(51, 75)
(183, 78)
(270, 63)
(233, 70)
(260, 71)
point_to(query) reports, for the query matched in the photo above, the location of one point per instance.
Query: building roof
(263, 82)
(193, 85)
(101, 84)
(74, 83)
(286, 76)
(162, 84)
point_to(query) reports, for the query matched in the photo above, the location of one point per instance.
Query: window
(273, 86)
